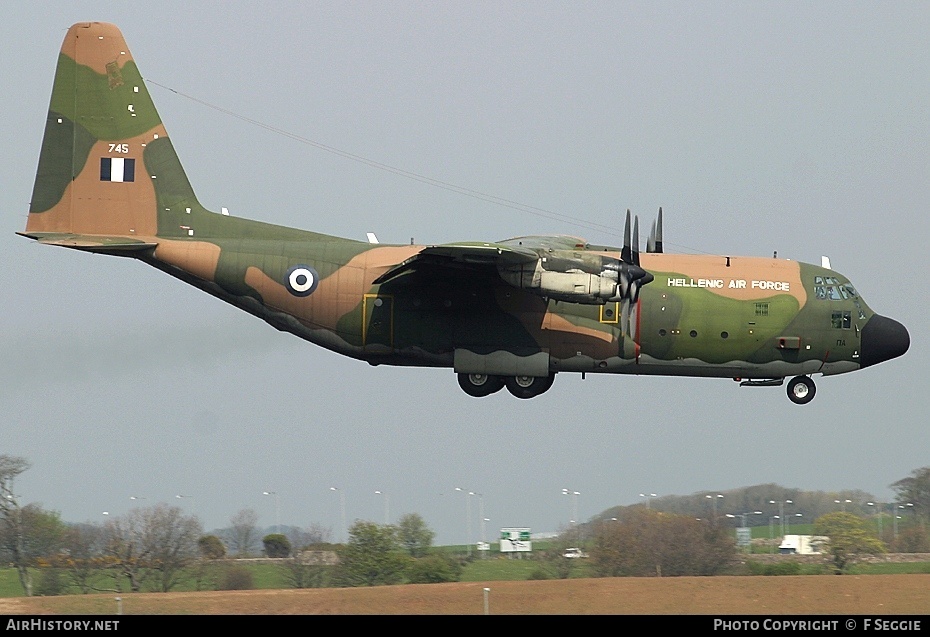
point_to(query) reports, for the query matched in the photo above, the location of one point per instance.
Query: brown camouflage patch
(328, 303)
(557, 323)
(199, 258)
(711, 269)
(97, 45)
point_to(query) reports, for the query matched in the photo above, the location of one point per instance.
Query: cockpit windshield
(829, 288)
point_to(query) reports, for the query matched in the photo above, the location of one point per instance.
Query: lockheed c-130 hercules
(509, 314)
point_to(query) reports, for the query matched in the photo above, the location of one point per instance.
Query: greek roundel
(301, 280)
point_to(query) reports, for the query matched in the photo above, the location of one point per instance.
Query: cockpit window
(841, 320)
(828, 288)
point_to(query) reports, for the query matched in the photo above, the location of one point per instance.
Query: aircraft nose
(883, 339)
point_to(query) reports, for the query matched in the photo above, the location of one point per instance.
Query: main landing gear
(479, 385)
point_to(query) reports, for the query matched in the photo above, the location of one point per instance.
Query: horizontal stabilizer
(90, 243)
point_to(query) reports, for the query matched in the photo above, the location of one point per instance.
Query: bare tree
(11, 518)
(126, 548)
(313, 534)
(173, 537)
(157, 541)
(243, 532)
(84, 544)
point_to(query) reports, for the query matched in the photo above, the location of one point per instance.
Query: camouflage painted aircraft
(508, 314)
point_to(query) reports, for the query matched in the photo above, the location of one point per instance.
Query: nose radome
(883, 339)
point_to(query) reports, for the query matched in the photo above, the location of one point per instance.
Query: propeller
(631, 276)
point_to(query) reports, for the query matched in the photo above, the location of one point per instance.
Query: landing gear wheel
(479, 385)
(528, 386)
(801, 390)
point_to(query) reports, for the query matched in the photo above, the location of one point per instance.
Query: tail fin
(108, 175)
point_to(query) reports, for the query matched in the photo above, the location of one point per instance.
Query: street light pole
(574, 495)
(878, 506)
(277, 510)
(648, 496)
(743, 515)
(481, 521)
(781, 513)
(481, 515)
(193, 507)
(467, 518)
(899, 506)
(713, 500)
(342, 507)
(387, 514)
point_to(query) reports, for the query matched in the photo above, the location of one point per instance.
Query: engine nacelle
(572, 285)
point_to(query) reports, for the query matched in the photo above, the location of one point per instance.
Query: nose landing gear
(801, 390)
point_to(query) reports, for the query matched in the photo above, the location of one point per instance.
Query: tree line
(159, 547)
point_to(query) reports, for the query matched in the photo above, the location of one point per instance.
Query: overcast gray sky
(758, 126)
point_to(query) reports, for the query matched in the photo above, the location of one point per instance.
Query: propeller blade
(651, 241)
(625, 255)
(658, 237)
(636, 240)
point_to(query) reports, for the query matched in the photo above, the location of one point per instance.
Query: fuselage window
(762, 309)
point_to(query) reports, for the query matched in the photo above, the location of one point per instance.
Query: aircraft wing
(462, 255)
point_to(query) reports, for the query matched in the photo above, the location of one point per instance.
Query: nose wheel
(801, 390)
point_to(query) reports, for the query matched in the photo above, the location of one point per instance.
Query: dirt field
(787, 595)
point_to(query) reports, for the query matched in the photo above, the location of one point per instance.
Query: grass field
(270, 576)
